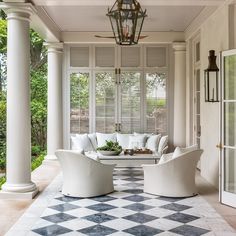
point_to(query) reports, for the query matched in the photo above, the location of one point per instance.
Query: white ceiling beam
(142, 2)
(44, 25)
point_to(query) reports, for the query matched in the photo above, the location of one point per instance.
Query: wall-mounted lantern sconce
(211, 75)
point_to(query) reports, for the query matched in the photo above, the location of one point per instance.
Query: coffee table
(130, 161)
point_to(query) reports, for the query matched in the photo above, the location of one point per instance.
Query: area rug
(129, 211)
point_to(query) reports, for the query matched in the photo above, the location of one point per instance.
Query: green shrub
(2, 181)
(37, 161)
(35, 150)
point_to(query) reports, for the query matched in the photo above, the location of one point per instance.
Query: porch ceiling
(93, 18)
(90, 15)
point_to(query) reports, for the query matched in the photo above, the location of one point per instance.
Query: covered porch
(180, 35)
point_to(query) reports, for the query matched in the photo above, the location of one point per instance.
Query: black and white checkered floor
(129, 211)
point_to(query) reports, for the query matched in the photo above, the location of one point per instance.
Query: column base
(11, 195)
(18, 191)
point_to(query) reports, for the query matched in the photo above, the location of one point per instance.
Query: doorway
(228, 128)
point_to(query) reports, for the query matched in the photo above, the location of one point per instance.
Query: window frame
(92, 70)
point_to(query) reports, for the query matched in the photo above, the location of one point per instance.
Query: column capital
(179, 46)
(18, 10)
(54, 47)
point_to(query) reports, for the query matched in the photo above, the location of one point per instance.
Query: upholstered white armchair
(174, 177)
(83, 176)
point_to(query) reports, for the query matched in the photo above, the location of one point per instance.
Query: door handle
(219, 146)
(119, 125)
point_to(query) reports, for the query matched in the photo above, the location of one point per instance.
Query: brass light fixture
(211, 75)
(126, 17)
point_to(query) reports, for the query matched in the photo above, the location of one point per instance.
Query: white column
(54, 122)
(180, 94)
(18, 173)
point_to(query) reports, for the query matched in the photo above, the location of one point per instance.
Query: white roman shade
(79, 56)
(156, 57)
(130, 57)
(104, 56)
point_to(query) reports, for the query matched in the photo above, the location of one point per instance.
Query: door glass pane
(79, 103)
(197, 58)
(198, 80)
(230, 173)
(105, 102)
(230, 77)
(156, 116)
(230, 123)
(130, 102)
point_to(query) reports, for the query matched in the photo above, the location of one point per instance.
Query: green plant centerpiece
(111, 148)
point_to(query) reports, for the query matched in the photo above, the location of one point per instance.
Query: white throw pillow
(93, 140)
(179, 151)
(137, 141)
(81, 141)
(123, 140)
(101, 138)
(163, 143)
(153, 142)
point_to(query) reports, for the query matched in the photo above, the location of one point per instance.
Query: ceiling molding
(197, 22)
(142, 2)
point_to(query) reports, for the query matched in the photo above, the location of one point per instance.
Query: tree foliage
(39, 106)
(38, 91)
(38, 53)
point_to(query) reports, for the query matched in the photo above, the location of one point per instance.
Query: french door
(117, 101)
(228, 129)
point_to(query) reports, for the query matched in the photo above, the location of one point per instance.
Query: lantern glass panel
(213, 85)
(114, 28)
(126, 18)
